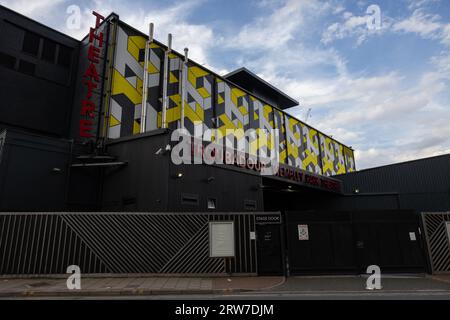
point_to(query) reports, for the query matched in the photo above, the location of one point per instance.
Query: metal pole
(145, 80)
(183, 85)
(166, 79)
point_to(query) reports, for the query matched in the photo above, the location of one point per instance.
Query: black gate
(348, 242)
(269, 244)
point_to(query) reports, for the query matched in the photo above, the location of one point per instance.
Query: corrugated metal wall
(423, 185)
(47, 243)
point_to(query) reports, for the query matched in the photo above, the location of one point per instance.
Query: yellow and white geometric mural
(211, 103)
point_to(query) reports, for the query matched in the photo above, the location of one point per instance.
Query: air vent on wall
(250, 205)
(189, 199)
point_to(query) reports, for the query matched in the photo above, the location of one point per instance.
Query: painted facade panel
(310, 154)
(349, 159)
(212, 103)
(127, 82)
(333, 161)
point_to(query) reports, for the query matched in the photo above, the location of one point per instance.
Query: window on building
(49, 50)
(27, 67)
(31, 43)
(64, 56)
(7, 60)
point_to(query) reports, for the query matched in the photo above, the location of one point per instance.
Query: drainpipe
(184, 72)
(145, 80)
(166, 80)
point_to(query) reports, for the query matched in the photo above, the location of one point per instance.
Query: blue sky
(383, 91)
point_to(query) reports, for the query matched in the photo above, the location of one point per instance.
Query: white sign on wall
(303, 233)
(221, 239)
(412, 236)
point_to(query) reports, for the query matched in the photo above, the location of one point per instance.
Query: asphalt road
(357, 295)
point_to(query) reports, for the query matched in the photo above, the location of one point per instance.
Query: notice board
(221, 239)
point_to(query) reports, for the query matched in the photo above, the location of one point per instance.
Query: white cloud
(446, 35)
(276, 29)
(425, 25)
(33, 9)
(355, 26)
(414, 4)
(421, 23)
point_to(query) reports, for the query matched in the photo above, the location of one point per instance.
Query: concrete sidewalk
(389, 283)
(113, 286)
(157, 286)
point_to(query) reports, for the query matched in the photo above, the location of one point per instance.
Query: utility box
(33, 172)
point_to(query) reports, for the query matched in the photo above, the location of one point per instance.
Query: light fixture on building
(356, 191)
(163, 150)
(179, 175)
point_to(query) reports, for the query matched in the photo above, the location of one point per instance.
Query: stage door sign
(303, 233)
(221, 239)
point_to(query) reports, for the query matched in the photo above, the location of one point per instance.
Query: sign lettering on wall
(268, 219)
(91, 79)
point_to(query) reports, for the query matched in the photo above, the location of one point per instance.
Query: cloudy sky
(381, 88)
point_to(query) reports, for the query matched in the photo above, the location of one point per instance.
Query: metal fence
(156, 243)
(438, 240)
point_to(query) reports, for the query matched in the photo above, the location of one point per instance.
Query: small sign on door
(412, 236)
(303, 233)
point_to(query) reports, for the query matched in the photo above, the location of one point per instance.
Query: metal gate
(438, 240)
(347, 242)
(157, 243)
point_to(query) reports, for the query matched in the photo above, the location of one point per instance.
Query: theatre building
(91, 172)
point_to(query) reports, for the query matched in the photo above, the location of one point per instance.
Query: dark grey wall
(422, 185)
(33, 172)
(150, 182)
(37, 72)
(232, 190)
(142, 184)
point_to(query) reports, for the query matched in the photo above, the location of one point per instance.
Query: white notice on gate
(412, 236)
(303, 233)
(221, 239)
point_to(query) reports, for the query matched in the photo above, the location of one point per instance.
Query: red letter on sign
(92, 72)
(87, 107)
(99, 19)
(98, 37)
(93, 54)
(90, 86)
(85, 127)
